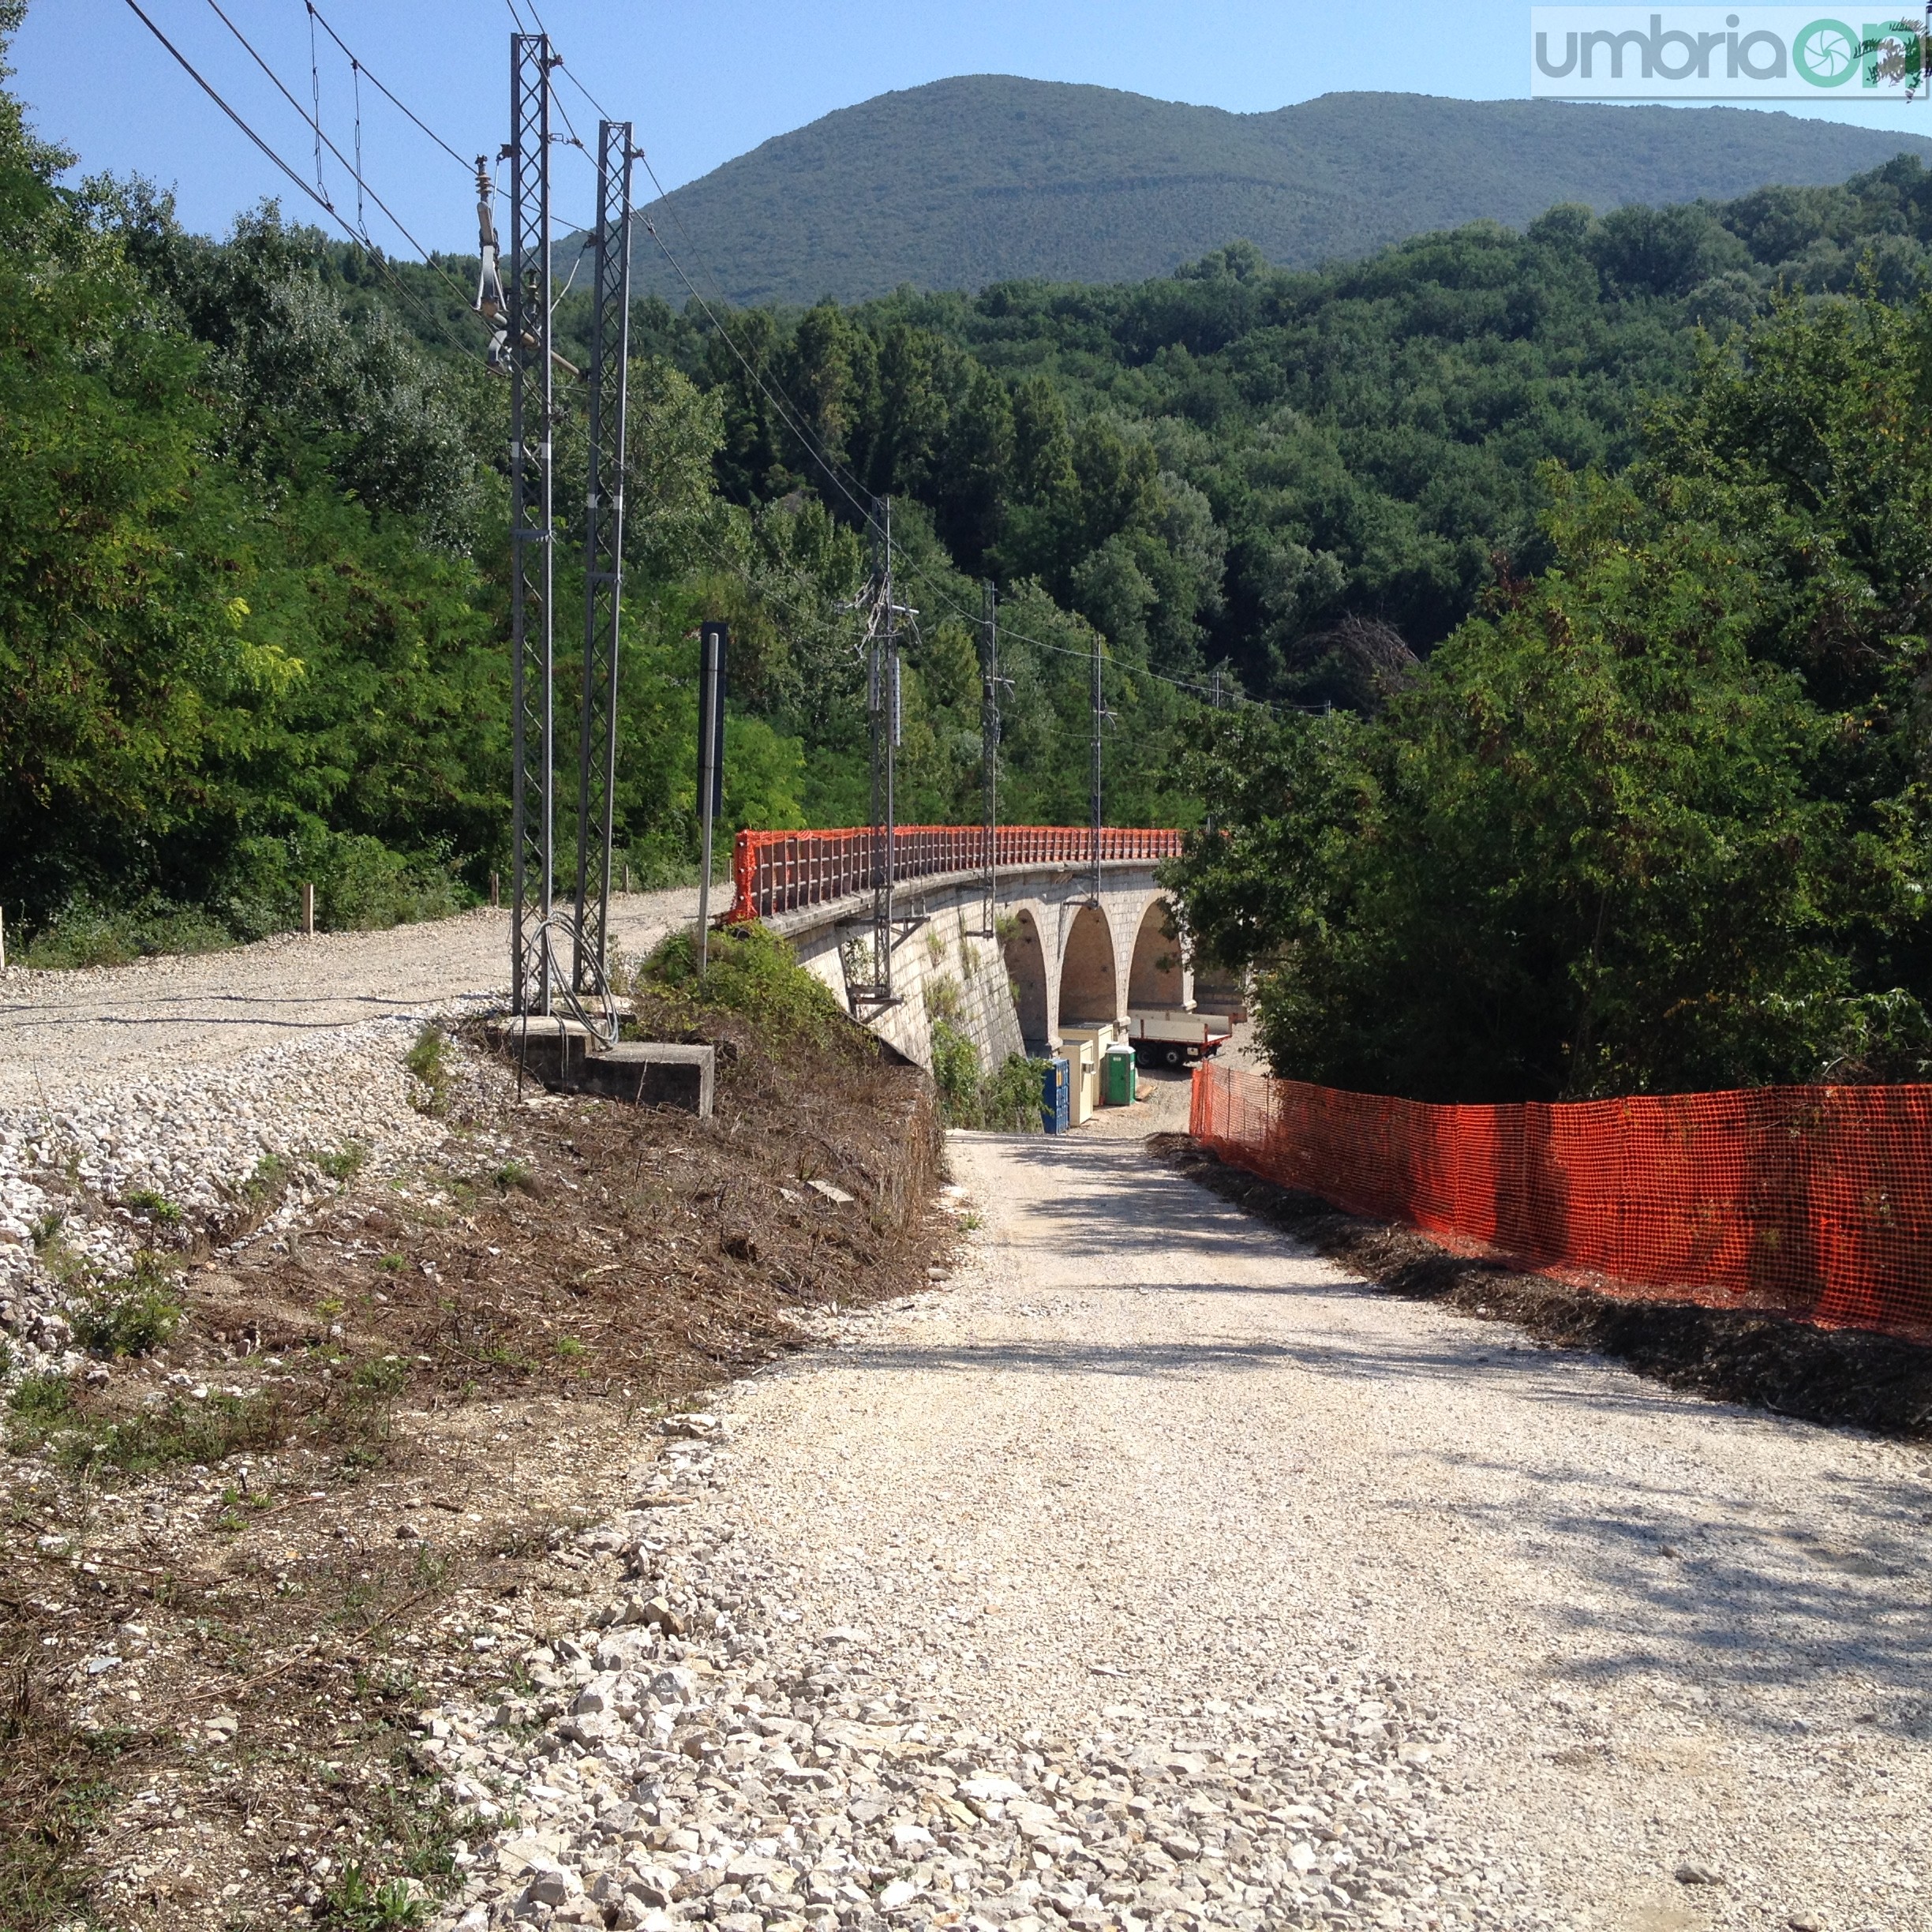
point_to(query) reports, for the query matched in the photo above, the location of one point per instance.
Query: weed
(268, 1181)
(43, 1414)
(44, 1228)
(344, 1162)
(389, 1375)
(515, 1174)
(567, 1348)
(152, 1206)
(132, 1316)
(392, 1264)
(942, 1000)
(428, 1065)
(72, 1270)
(55, 1794)
(355, 1905)
(37, 1404)
(6, 1358)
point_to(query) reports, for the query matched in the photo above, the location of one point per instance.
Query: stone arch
(1025, 959)
(1156, 979)
(1089, 980)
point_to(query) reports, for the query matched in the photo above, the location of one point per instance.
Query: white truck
(1172, 1038)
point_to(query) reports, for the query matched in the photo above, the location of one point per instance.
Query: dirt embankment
(1817, 1374)
(349, 1483)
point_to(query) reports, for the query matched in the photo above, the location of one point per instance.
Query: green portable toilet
(1119, 1085)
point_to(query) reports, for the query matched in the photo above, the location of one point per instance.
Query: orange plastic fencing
(1814, 1201)
(783, 871)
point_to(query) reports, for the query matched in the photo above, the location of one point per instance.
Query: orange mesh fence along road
(1815, 1201)
(784, 871)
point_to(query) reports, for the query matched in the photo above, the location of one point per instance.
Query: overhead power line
(402, 107)
(322, 202)
(323, 139)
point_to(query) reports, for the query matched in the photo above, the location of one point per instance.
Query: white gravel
(179, 1075)
(207, 1007)
(1271, 1600)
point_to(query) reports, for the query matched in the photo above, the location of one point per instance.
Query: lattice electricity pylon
(882, 703)
(610, 362)
(533, 858)
(1101, 714)
(991, 685)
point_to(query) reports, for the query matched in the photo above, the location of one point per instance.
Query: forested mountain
(988, 178)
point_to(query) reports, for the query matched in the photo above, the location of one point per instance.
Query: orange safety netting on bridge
(1814, 1201)
(785, 871)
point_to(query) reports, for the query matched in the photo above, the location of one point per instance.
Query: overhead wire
(269, 153)
(322, 138)
(787, 410)
(789, 414)
(402, 107)
(355, 74)
(792, 416)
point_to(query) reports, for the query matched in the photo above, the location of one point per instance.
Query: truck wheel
(1173, 1056)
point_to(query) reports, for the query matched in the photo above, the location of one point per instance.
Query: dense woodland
(1580, 576)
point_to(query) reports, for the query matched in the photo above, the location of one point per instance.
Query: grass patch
(515, 1174)
(427, 1061)
(132, 1316)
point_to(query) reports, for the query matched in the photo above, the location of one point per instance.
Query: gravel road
(1144, 1436)
(207, 1008)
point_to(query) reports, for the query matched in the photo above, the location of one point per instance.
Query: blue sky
(703, 82)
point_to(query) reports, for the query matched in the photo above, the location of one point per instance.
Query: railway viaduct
(1055, 953)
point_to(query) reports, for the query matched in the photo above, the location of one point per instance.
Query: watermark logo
(1723, 54)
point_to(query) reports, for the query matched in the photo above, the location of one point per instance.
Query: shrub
(1009, 1100)
(132, 1316)
(86, 931)
(1005, 1100)
(751, 972)
(956, 1073)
